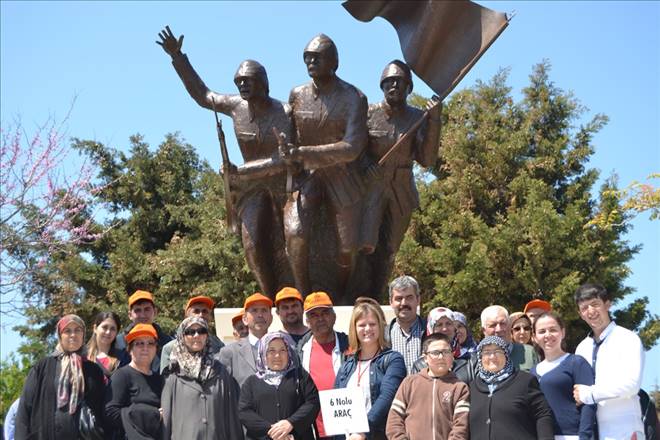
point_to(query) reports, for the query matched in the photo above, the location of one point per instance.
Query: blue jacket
(386, 373)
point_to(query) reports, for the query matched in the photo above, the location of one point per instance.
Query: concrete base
(224, 329)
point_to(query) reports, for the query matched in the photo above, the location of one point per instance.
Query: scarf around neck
(198, 365)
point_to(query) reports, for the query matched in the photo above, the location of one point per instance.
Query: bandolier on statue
(330, 118)
(260, 181)
(392, 195)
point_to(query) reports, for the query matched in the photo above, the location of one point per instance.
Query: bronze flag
(440, 40)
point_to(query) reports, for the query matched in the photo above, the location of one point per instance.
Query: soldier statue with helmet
(261, 179)
(391, 194)
(330, 118)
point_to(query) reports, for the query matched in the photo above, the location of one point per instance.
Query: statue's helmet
(397, 69)
(323, 44)
(252, 69)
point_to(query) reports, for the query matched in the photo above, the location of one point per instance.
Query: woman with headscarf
(464, 335)
(506, 403)
(101, 345)
(279, 379)
(521, 328)
(58, 387)
(134, 407)
(200, 398)
(442, 320)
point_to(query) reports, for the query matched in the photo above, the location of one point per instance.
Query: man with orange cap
(289, 308)
(141, 310)
(320, 350)
(202, 307)
(240, 357)
(240, 329)
(535, 308)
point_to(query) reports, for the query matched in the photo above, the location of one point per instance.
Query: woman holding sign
(372, 367)
(280, 402)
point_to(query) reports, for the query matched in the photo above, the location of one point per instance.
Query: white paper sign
(343, 411)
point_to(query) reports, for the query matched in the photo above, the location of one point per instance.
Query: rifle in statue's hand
(232, 221)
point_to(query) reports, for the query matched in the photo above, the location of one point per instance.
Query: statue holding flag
(398, 135)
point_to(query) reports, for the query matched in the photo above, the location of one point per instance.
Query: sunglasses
(196, 331)
(520, 328)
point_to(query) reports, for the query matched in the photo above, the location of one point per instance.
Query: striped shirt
(408, 344)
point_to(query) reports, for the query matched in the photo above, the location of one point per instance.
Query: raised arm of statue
(191, 80)
(428, 139)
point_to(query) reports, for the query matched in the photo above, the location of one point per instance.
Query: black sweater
(129, 386)
(516, 410)
(35, 419)
(296, 400)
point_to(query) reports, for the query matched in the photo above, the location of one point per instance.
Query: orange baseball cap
(140, 295)
(537, 304)
(256, 298)
(208, 302)
(141, 330)
(317, 299)
(237, 316)
(286, 293)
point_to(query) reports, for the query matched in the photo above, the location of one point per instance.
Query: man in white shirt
(617, 356)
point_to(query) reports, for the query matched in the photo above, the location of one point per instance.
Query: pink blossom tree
(46, 204)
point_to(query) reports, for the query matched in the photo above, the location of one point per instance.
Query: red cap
(286, 293)
(140, 295)
(317, 299)
(256, 298)
(208, 302)
(141, 330)
(537, 304)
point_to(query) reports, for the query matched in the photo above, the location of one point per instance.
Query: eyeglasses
(141, 344)
(437, 354)
(73, 331)
(489, 353)
(196, 331)
(521, 328)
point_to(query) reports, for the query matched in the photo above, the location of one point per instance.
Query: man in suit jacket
(240, 357)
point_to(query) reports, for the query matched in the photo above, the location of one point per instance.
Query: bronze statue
(330, 134)
(261, 179)
(392, 196)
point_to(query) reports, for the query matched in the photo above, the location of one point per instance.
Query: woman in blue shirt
(557, 374)
(371, 366)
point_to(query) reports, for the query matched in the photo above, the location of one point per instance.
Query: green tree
(166, 234)
(507, 211)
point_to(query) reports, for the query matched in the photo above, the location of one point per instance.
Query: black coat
(296, 400)
(516, 410)
(35, 419)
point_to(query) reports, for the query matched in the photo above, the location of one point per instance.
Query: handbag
(88, 427)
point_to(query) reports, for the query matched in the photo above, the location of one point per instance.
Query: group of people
(420, 378)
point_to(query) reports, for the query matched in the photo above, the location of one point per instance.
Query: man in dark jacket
(320, 350)
(141, 310)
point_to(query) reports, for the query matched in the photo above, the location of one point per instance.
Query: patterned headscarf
(71, 382)
(263, 372)
(434, 316)
(488, 376)
(469, 345)
(196, 366)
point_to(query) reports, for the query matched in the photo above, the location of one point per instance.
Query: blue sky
(104, 54)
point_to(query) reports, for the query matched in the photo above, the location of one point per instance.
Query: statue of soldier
(330, 134)
(262, 178)
(392, 195)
